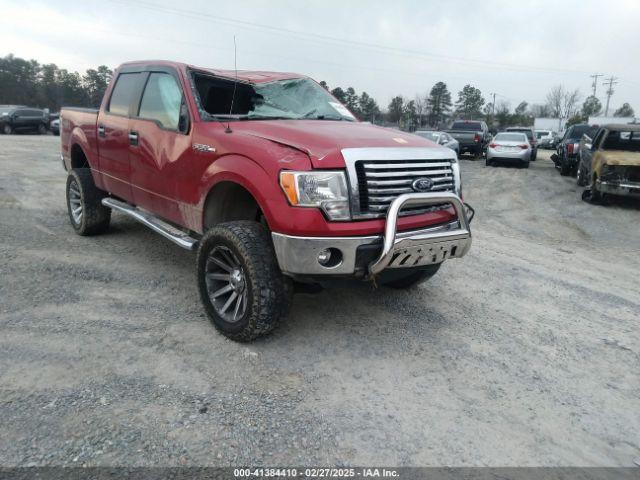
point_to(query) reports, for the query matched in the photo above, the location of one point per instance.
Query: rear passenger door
(113, 133)
(160, 155)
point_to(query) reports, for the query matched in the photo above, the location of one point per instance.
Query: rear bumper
(522, 155)
(470, 147)
(631, 189)
(367, 256)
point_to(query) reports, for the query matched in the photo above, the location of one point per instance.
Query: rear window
(526, 131)
(475, 126)
(576, 132)
(621, 140)
(510, 137)
(126, 87)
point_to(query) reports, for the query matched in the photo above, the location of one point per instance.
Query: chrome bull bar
(407, 250)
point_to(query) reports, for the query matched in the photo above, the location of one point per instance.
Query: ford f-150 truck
(269, 178)
(473, 136)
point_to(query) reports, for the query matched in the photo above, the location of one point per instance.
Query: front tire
(84, 203)
(241, 286)
(401, 280)
(7, 129)
(42, 129)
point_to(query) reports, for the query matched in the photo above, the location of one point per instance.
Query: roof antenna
(235, 83)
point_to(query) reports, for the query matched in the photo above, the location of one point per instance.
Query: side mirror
(183, 120)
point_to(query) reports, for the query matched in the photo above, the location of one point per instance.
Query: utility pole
(594, 85)
(493, 104)
(611, 81)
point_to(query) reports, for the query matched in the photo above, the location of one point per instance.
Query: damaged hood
(621, 157)
(322, 140)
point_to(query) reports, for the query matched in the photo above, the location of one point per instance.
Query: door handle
(133, 138)
(101, 131)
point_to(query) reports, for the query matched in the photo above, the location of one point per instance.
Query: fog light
(324, 257)
(330, 257)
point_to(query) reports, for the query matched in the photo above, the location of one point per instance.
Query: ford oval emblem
(422, 184)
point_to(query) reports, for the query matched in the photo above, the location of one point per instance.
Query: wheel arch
(77, 157)
(228, 200)
(259, 180)
(79, 150)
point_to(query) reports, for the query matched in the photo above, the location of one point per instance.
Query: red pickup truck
(273, 181)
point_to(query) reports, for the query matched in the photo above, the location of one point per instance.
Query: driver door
(160, 145)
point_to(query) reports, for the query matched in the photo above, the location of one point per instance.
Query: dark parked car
(566, 156)
(15, 118)
(472, 136)
(531, 136)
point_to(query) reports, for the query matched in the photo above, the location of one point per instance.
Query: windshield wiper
(269, 117)
(312, 115)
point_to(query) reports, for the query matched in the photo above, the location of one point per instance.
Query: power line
(202, 16)
(611, 81)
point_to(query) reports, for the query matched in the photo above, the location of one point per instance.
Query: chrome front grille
(378, 175)
(381, 181)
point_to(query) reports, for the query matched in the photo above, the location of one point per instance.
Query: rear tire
(565, 170)
(7, 129)
(581, 178)
(84, 203)
(411, 279)
(256, 295)
(525, 164)
(42, 129)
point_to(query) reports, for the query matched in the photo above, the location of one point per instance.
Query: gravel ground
(526, 352)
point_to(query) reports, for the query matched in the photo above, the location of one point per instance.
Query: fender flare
(250, 175)
(79, 137)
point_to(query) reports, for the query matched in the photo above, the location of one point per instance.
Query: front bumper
(367, 256)
(630, 189)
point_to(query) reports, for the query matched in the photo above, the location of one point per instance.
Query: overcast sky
(517, 49)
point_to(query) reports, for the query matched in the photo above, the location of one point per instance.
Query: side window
(598, 139)
(161, 100)
(123, 93)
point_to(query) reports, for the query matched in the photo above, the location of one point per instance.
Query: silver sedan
(509, 147)
(441, 138)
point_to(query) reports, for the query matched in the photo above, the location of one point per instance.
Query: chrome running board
(154, 223)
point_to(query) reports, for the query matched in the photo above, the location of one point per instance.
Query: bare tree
(420, 105)
(555, 100)
(562, 103)
(570, 103)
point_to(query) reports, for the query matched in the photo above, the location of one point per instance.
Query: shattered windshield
(294, 99)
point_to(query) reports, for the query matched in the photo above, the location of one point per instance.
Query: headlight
(319, 189)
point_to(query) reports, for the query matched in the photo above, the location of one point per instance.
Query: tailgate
(463, 137)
